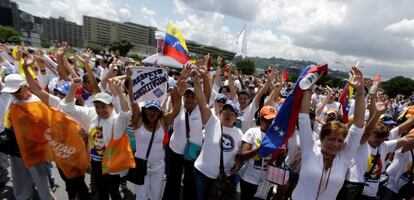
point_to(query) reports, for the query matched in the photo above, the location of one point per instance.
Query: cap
(63, 89)
(12, 83)
(153, 104)
(231, 106)
(190, 89)
(102, 97)
(252, 86)
(334, 111)
(387, 119)
(221, 96)
(268, 112)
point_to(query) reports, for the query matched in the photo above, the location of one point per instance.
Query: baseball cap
(232, 106)
(152, 104)
(252, 86)
(12, 83)
(387, 119)
(102, 97)
(190, 89)
(268, 112)
(63, 89)
(221, 96)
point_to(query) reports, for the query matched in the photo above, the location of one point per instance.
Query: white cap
(12, 83)
(102, 97)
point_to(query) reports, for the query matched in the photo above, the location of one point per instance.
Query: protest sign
(149, 83)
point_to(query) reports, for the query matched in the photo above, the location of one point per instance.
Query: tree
(246, 66)
(8, 34)
(96, 48)
(398, 85)
(123, 46)
(136, 57)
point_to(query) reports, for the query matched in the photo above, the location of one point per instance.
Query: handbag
(407, 190)
(223, 187)
(137, 174)
(8, 143)
(264, 186)
(117, 155)
(191, 150)
(277, 175)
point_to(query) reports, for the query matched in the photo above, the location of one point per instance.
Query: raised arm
(62, 68)
(85, 62)
(321, 106)
(206, 81)
(176, 95)
(304, 124)
(233, 90)
(35, 87)
(379, 109)
(274, 95)
(201, 99)
(136, 111)
(120, 93)
(264, 89)
(357, 82)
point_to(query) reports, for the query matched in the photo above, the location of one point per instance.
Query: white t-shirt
(253, 166)
(362, 161)
(316, 98)
(208, 162)
(399, 170)
(178, 138)
(312, 163)
(246, 117)
(142, 140)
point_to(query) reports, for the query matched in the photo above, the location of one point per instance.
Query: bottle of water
(308, 81)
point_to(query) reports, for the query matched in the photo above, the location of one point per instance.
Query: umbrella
(161, 59)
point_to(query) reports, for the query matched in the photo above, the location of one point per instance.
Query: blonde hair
(333, 127)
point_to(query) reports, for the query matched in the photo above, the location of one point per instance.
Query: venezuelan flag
(344, 99)
(174, 45)
(284, 124)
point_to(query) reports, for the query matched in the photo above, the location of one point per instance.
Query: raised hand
(29, 61)
(219, 61)
(273, 75)
(181, 86)
(357, 80)
(195, 75)
(62, 48)
(186, 71)
(86, 55)
(76, 82)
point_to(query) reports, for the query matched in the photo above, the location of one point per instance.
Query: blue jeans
(202, 185)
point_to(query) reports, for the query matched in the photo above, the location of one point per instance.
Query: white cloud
(404, 28)
(144, 10)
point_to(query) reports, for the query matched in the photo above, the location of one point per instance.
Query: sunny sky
(380, 33)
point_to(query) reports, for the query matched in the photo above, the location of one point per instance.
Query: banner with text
(149, 83)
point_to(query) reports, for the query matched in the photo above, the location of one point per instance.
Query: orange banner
(46, 134)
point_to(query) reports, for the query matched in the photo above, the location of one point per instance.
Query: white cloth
(246, 117)
(153, 183)
(142, 140)
(312, 163)
(253, 166)
(178, 138)
(208, 162)
(399, 170)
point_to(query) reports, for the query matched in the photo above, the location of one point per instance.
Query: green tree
(246, 66)
(8, 34)
(398, 85)
(136, 57)
(123, 46)
(44, 43)
(95, 48)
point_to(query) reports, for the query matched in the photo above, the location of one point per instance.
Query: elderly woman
(324, 166)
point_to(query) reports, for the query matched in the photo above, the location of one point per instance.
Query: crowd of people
(208, 129)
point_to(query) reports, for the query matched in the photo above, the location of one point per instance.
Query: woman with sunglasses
(149, 124)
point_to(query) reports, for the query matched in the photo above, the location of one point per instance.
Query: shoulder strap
(187, 126)
(151, 140)
(221, 151)
(412, 166)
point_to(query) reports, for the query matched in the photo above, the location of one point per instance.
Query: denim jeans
(202, 184)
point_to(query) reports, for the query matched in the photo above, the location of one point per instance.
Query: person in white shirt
(23, 178)
(251, 175)
(102, 122)
(220, 133)
(150, 125)
(324, 165)
(363, 177)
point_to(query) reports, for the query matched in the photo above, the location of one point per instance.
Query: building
(198, 49)
(104, 32)
(57, 30)
(29, 26)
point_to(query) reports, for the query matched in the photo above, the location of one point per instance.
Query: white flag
(241, 42)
